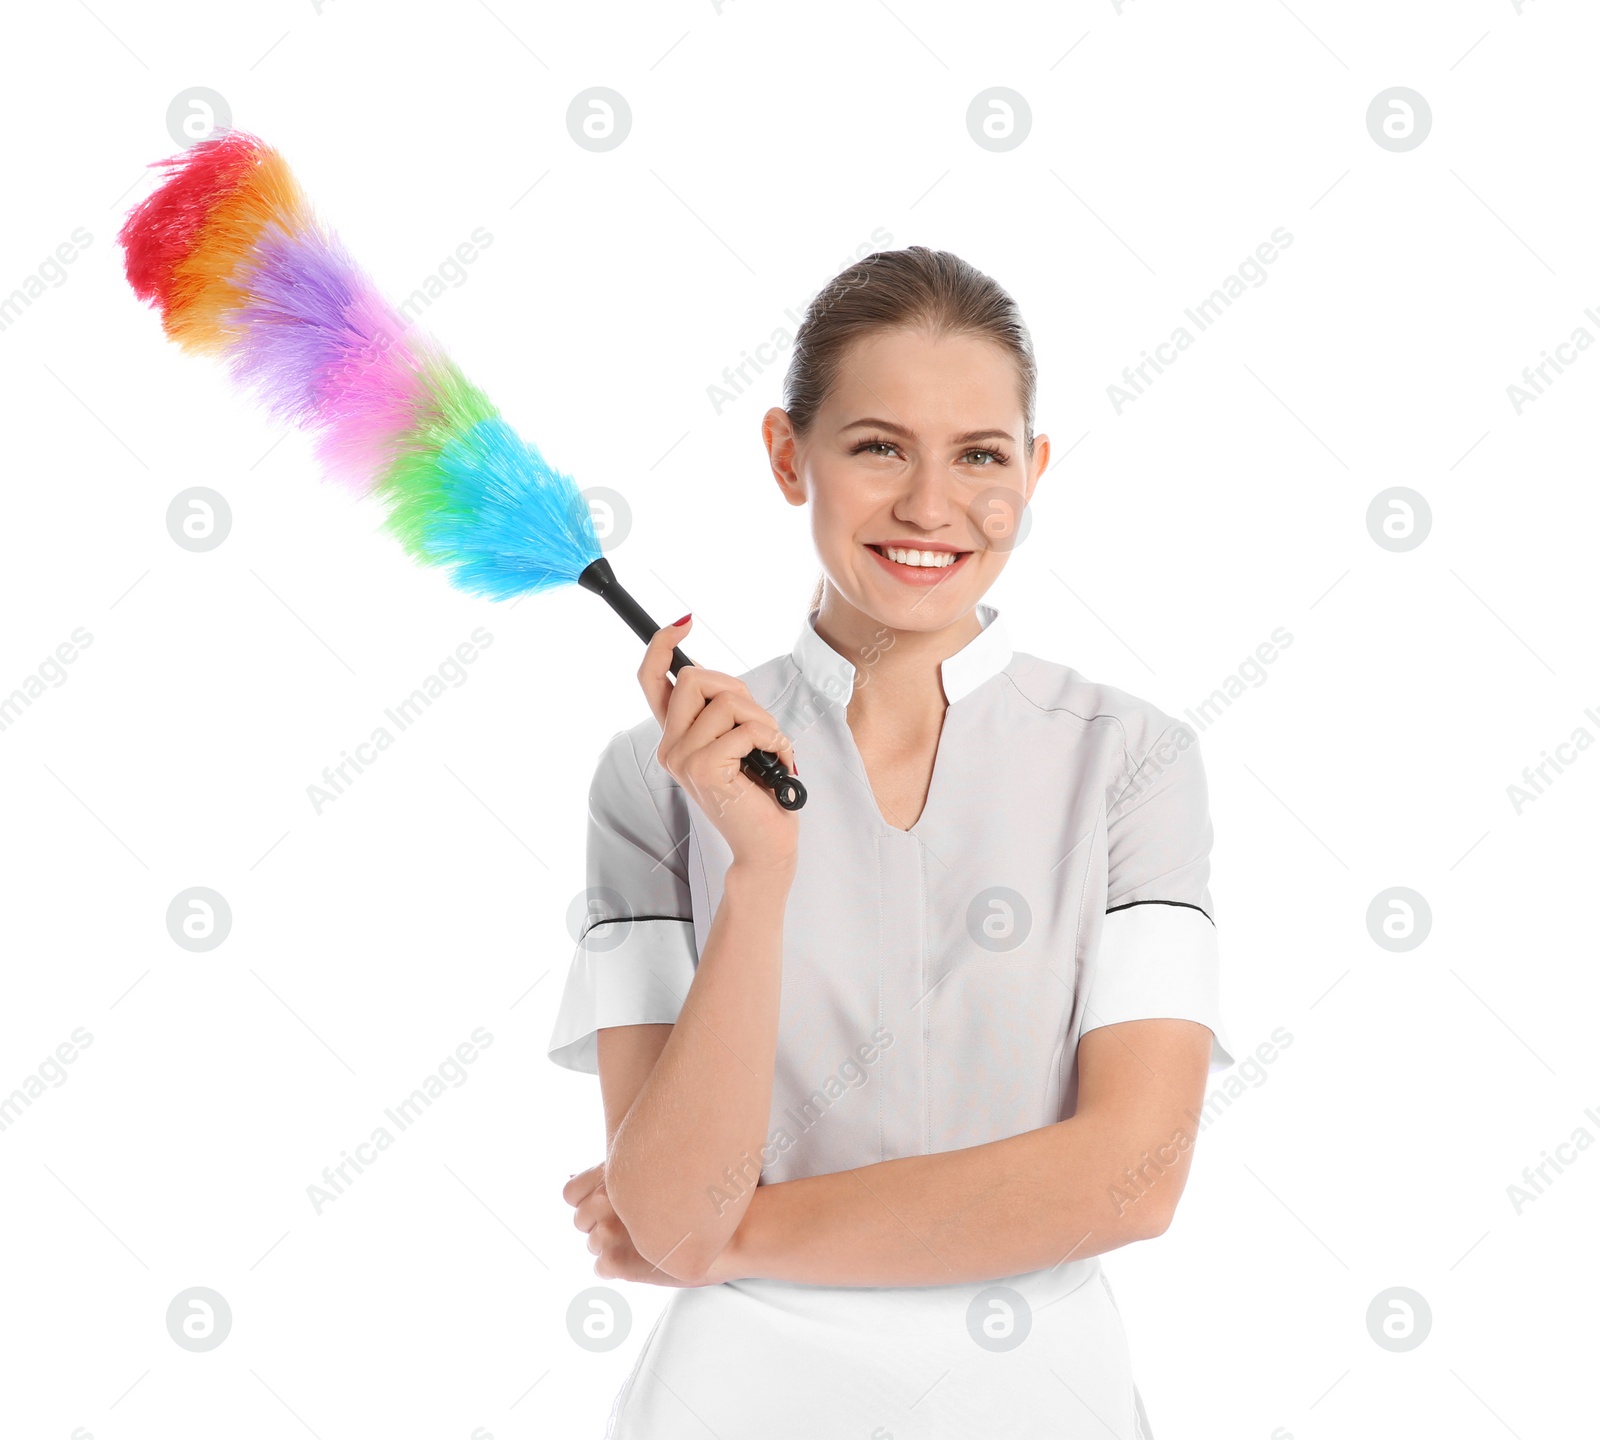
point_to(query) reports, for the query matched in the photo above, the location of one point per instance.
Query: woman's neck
(897, 671)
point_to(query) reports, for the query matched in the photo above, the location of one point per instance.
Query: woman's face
(915, 474)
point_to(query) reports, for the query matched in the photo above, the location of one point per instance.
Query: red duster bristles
(165, 226)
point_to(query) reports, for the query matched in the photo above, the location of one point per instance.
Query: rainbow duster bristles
(230, 252)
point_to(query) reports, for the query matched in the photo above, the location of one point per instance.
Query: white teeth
(936, 559)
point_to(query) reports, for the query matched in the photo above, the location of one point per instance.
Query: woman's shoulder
(633, 746)
(632, 793)
(1050, 686)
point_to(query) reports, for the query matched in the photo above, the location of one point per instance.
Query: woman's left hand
(608, 1236)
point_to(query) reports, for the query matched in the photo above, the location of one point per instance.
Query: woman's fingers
(722, 752)
(616, 1257)
(594, 1207)
(701, 707)
(656, 667)
(695, 688)
(705, 703)
(721, 712)
(582, 1183)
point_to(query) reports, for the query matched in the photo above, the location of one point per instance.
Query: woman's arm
(1110, 1175)
(684, 1112)
(687, 1113)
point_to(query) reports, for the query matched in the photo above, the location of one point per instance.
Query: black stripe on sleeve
(619, 919)
(1184, 904)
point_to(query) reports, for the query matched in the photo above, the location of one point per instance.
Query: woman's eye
(987, 459)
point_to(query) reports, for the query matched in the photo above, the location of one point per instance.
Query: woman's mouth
(915, 566)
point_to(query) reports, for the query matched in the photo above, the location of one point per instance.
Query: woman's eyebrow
(967, 439)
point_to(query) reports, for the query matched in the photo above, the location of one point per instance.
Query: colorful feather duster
(231, 253)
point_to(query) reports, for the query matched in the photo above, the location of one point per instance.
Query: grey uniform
(936, 982)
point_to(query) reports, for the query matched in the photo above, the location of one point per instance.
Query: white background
(768, 144)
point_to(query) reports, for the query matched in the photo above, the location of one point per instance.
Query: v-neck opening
(915, 831)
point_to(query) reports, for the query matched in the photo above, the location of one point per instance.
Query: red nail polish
(677, 623)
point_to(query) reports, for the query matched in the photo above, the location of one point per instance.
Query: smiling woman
(942, 294)
(1027, 955)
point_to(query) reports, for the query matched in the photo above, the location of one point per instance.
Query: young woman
(883, 1077)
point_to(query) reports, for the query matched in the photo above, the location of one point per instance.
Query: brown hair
(902, 289)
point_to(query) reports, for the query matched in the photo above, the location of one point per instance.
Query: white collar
(986, 654)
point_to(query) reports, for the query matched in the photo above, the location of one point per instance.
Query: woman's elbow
(681, 1251)
(1146, 1213)
(1154, 1221)
(687, 1259)
(1153, 1213)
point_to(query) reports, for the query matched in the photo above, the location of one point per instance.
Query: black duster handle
(762, 766)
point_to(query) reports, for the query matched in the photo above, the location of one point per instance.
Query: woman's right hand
(709, 723)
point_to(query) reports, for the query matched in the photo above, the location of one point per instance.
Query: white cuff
(1159, 962)
(639, 979)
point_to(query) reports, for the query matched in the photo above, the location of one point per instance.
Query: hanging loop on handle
(761, 766)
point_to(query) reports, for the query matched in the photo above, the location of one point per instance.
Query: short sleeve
(1158, 956)
(636, 956)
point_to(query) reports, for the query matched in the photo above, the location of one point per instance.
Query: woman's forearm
(706, 1104)
(962, 1216)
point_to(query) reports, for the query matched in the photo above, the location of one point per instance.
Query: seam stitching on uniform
(666, 829)
(922, 982)
(639, 769)
(1153, 879)
(1077, 934)
(1127, 758)
(877, 851)
(1176, 724)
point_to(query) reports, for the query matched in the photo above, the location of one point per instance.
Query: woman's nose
(931, 495)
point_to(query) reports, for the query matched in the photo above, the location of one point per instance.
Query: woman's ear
(778, 434)
(1037, 465)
